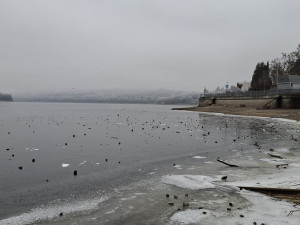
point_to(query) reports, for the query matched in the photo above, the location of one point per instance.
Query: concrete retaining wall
(272, 102)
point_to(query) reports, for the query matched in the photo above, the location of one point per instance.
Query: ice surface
(255, 117)
(52, 211)
(194, 182)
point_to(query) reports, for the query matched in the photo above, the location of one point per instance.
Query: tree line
(5, 97)
(265, 75)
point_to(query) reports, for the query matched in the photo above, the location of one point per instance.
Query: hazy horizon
(64, 45)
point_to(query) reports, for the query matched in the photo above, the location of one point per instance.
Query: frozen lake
(114, 164)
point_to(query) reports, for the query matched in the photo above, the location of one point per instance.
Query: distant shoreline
(292, 114)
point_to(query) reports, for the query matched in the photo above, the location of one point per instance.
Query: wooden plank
(281, 193)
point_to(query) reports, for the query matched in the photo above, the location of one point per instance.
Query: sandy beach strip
(291, 114)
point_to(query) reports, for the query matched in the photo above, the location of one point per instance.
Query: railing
(251, 94)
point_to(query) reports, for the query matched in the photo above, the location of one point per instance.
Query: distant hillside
(5, 97)
(116, 96)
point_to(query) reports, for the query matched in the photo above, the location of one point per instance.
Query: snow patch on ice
(189, 216)
(262, 210)
(49, 212)
(65, 164)
(194, 182)
(255, 117)
(32, 149)
(285, 179)
(286, 120)
(199, 157)
(283, 150)
(273, 161)
(178, 167)
(295, 165)
(82, 163)
(128, 198)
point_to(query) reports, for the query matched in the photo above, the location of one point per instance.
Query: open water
(109, 164)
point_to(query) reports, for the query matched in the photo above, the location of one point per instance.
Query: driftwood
(231, 165)
(292, 195)
(275, 156)
(285, 164)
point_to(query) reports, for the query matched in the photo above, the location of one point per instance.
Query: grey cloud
(184, 45)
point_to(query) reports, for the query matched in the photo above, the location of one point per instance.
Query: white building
(289, 82)
(245, 86)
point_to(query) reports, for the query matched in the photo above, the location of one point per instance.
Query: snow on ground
(194, 182)
(260, 209)
(288, 178)
(263, 210)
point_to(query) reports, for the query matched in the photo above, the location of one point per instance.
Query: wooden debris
(285, 164)
(185, 204)
(292, 195)
(292, 211)
(231, 165)
(275, 156)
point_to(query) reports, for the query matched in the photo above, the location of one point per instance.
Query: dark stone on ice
(167, 195)
(20, 167)
(33, 160)
(224, 178)
(75, 172)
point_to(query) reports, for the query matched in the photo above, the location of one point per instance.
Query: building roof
(289, 79)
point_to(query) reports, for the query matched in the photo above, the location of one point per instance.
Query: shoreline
(291, 114)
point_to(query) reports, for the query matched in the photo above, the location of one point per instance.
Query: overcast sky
(63, 45)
